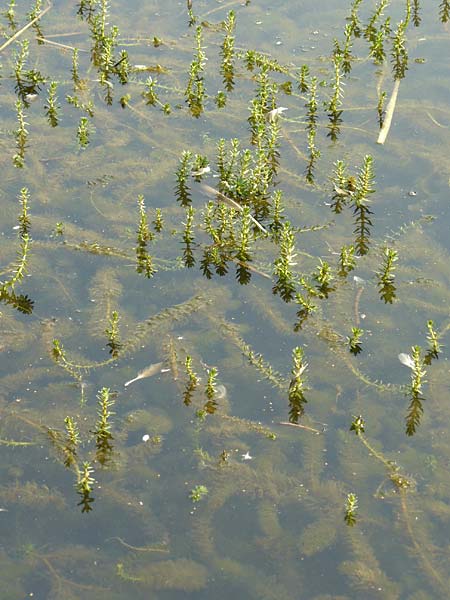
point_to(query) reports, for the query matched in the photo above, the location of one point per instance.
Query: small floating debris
(31, 98)
(275, 113)
(406, 360)
(201, 171)
(360, 282)
(149, 371)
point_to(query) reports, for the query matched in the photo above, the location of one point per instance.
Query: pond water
(174, 430)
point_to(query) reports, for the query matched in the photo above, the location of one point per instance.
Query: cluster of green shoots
(70, 444)
(417, 363)
(210, 391)
(355, 192)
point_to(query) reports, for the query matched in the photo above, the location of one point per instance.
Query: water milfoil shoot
(195, 90)
(144, 236)
(323, 278)
(381, 113)
(198, 493)
(77, 84)
(84, 486)
(24, 217)
(158, 221)
(386, 276)
(354, 341)
(18, 270)
(434, 347)
(360, 202)
(182, 191)
(227, 52)
(343, 187)
(303, 79)
(296, 391)
(83, 133)
(21, 135)
(399, 54)
(10, 15)
(28, 82)
(188, 238)
(285, 285)
(102, 431)
(112, 331)
(210, 406)
(414, 391)
(243, 252)
(306, 306)
(351, 509)
(311, 128)
(347, 260)
(70, 447)
(192, 382)
(444, 11)
(334, 106)
(52, 106)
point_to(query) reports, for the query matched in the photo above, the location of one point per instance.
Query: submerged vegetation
(200, 226)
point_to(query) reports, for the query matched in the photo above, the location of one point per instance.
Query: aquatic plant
(198, 492)
(354, 341)
(114, 344)
(83, 132)
(257, 223)
(210, 406)
(360, 202)
(227, 52)
(102, 431)
(192, 382)
(51, 108)
(434, 347)
(195, 94)
(182, 192)
(19, 268)
(285, 282)
(386, 277)
(84, 487)
(296, 391)
(351, 509)
(21, 135)
(444, 11)
(144, 235)
(415, 409)
(311, 127)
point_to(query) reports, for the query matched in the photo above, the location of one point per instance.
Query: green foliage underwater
(224, 300)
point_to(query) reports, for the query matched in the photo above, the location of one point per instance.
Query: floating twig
(210, 191)
(306, 427)
(390, 108)
(27, 26)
